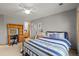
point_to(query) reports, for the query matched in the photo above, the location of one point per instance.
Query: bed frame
(25, 53)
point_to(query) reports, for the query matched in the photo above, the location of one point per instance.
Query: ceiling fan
(26, 8)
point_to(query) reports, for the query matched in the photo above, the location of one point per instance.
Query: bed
(48, 45)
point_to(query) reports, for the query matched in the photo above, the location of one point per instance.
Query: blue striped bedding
(63, 42)
(47, 46)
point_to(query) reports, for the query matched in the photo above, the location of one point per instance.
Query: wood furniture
(39, 35)
(26, 35)
(20, 31)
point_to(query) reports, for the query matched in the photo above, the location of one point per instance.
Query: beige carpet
(9, 50)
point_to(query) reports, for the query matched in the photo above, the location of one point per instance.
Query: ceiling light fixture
(27, 11)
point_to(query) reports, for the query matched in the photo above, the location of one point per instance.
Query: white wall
(65, 21)
(4, 20)
(15, 20)
(2, 30)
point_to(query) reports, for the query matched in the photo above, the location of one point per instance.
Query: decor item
(25, 27)
(39, 27)
(36, 29)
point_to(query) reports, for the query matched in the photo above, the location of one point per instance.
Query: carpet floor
(14, 50)
(9, 50)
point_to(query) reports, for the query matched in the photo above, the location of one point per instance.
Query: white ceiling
(38, 9)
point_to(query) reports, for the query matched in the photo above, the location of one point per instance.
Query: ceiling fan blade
(17, 12)
(22, 7)
(26, 5)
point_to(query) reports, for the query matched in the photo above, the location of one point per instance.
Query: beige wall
(65, 21)
(77, 13)
(2, 30)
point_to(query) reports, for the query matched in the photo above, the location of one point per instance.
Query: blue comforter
(47, 46)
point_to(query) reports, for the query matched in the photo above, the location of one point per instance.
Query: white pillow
(53, 35)
(56, 35)
(61, 36)
(49, 34)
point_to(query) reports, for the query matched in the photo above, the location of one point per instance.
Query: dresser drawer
(21, 38)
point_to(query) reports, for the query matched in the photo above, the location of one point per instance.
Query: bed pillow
(61, 36)
(58, 35)
(53, 35)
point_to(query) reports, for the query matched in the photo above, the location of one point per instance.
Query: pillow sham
(58, 35)
(53, 35)
(61, 36)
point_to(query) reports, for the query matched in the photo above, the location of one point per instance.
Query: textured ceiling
(38, 9)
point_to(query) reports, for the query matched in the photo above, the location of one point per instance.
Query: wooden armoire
(20, 31)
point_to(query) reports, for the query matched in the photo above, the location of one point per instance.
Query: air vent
(60, 4)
